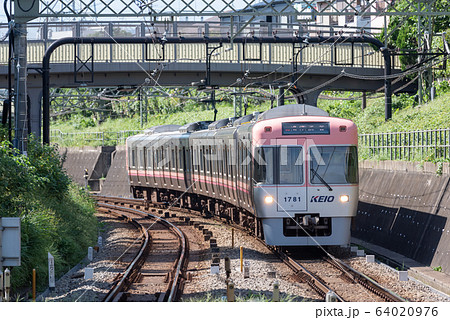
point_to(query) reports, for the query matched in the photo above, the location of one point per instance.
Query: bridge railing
(408, 146)
(359, 55)
(91, 138)
(42, 35)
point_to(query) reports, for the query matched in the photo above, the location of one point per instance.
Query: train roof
(290, 110)
(162, 128)
(221, 123)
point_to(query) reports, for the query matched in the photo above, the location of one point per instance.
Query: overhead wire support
(207, 41)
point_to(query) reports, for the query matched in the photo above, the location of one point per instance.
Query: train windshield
(279, 165)
(335, 165)
(291, 165)
(263, 165)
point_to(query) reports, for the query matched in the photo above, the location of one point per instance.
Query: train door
(227, 189)
(155, 162)
(194, 167)
(172, 167)
(291, 187)
(220, 171)
(232, 175)
(180, 171)
(151, 165)
(141, 166)
(201, 180)
(145, 165)
(187, 169)
(212, 171)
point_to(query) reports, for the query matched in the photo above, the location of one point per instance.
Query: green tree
(404, 29)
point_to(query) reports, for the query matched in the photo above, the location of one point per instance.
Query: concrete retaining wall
(78, 159)
(116, 183)
(405, 207)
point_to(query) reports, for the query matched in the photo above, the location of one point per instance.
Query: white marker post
(90, 253)
(51, 272)
(88, 273)
(1, 284)
(1, 262)
(7, 284)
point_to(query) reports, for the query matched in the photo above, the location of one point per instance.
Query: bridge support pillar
(35, 107)
(309, 98)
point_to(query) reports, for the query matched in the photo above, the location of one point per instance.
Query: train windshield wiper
(320, 178)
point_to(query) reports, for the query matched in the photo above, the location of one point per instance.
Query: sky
(117, 4)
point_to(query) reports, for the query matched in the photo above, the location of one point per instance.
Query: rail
(365, 281)
(407, 146)
(127, 277)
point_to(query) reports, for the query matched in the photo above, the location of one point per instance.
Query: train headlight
(344, 198)
(268, 199)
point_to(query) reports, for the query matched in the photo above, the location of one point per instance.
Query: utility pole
(425, 41)
(20, 75)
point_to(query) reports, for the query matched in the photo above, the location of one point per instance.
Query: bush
(56, 215)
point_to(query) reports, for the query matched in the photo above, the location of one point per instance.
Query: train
(289, 174)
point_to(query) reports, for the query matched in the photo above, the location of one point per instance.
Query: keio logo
(322, 198)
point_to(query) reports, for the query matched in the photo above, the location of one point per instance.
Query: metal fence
(91, 138)
(408, 146)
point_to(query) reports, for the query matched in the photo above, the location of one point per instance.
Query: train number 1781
(291, 199)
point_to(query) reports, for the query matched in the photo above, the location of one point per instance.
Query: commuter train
(290, 174)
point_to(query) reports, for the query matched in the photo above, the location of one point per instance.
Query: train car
(290, 174)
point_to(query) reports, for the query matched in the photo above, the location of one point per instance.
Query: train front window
(263, 165)
(291, 165)
(334, 164)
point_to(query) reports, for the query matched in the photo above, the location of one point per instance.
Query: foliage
(404, 29)
(438, 268)
(56, 216)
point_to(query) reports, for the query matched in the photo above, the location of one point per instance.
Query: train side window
(181, 164)
(201, 159)
(223, 162)
(212, 160)
(263, 164)
(159, 158)
(227, 171)
(174, 159)
(230, 163)
(194, 159)
(208, 159)
(141, 159)
(291, 165)
(166, 156)
(149, 158)
(133, 158)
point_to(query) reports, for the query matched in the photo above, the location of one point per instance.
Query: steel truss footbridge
(304, 46)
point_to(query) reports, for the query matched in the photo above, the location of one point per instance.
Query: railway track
(334, 280)
(156, 272)
(330, 278)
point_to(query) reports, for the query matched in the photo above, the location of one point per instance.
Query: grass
(244, 296)
(405, 117)
(180, 118)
